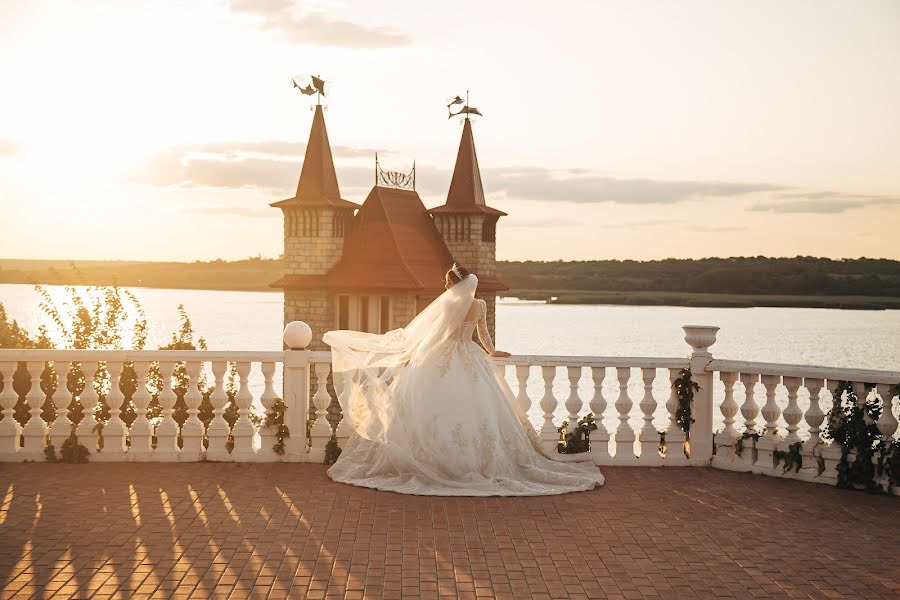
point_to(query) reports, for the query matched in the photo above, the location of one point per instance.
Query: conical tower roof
(318, 185)
(466, 195)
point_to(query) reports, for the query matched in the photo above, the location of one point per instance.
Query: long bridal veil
(366, 365)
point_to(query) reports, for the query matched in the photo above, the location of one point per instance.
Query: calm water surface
(839, 338)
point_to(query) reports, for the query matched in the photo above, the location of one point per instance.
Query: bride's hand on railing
(501, 354)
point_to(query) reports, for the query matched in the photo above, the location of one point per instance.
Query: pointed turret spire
(318, 184)
(466, 195)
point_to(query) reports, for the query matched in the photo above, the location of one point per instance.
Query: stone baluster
(243, 430)
(749, 411)
(114, 431)
(321, 430)
(141, 432)
(297, 336)
(831, 453)
(600, 437)
(725, 457)
(792, 415)
(192, 430)
(87, 428)
(675, 436)
(549, 434)
(342, 388)
(700, 338)
(218, 429)
(62, 427)
(887, 424)
(624, 433)
(814, 417)
(9, 427)
(167, 428)
(649, 437)
(524, 402)
(573, 402)
(768, 442)
(35, 429)
(268, 433)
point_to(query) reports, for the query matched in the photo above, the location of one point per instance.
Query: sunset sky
(162, 130)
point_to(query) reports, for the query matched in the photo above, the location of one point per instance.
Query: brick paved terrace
(286, 530)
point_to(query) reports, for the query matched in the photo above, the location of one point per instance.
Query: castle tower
(468, 225)
(316, 220)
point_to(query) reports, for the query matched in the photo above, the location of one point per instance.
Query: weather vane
(317, 87)
(465, 110)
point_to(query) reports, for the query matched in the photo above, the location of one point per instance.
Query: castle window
(489, 230)
(364, 313)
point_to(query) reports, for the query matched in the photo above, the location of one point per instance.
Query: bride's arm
(484, 335)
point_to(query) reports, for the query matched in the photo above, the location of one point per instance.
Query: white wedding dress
(431, 417)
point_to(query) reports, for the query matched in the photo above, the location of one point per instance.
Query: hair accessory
(455, 270)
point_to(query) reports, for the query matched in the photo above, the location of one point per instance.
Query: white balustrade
(549, 434)
(600, 437)
(218, 430)
(167, 429)
(320, 432)
(726, 439)
(268, 434)
(114, 431)
(192, 430)
(61, 427)
(649, 437)
(243, 431)
(675, 435)
(810, 449)
(10, 430)
(35, 429)
(522, 372)
(573, 402)
(141, 428)
(768, 442)
(87, 428)
(624, 433)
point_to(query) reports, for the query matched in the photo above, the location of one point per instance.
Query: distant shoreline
(554, 282)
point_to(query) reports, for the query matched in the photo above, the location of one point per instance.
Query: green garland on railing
(854, 428)
(72, 451)
(791, 457)
(684, 388)
(276, 419)
(739, 444)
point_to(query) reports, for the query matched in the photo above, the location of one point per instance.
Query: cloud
(316, 28)
(821, 202)
(578, 187)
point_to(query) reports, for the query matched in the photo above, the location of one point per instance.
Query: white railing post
(9, 427)
(549, 435)
(887, 423)
(768, 441)
(675, 436)
(217, 431)
(522, 372)
(61, 428)
(792, 415)
(649, 437)
(831, 453)
(725, 457)
(297, 336)
(141, 440)
(243, 429)
(810, 449)
(267, 434)
(35, 429)
(342, 387)
(320, 432)
(749, 410)
(625, 436)
(700, 338)
(86, 430)
(192, 430)
(573, 402)
(114, 430)
(167, 428)
(600, 437)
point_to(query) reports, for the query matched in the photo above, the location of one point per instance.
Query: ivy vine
(71, 452)
(276, 419)
(684, 388)
(791, 457)
(854, 427)
(332, 450)
(739, 444)
(579, 439)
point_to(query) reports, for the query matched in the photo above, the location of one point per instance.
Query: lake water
(837, 338)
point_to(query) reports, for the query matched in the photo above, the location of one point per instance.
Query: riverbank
(255, 274)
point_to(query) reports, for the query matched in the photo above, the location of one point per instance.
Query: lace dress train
(453, 430)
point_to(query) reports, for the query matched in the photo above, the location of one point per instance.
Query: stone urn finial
(700, 337)
(297, 335)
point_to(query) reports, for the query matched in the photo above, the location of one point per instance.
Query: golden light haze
(612, 129)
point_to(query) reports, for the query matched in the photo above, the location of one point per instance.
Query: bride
(430, 416)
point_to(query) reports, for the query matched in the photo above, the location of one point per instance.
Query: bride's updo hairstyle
(455, 274)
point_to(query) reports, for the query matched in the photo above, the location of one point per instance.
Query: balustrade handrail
(593, 361)
(140, 355)
(808, 371)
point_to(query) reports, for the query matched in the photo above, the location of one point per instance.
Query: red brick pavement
(286, 530)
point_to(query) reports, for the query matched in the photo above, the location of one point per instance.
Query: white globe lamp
(297, 335)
